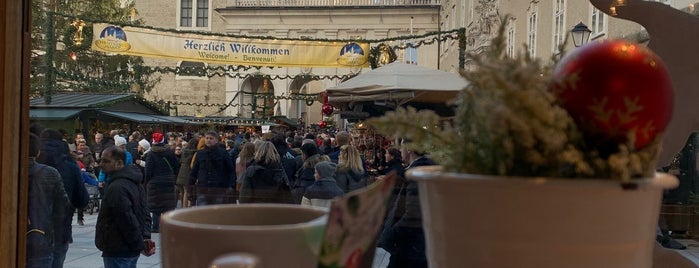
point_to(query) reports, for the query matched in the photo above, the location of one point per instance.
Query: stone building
(538, 27)
(351, 19)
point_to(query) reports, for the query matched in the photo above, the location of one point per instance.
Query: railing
(330, 3)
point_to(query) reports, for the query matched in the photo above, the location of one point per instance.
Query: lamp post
(580, 34)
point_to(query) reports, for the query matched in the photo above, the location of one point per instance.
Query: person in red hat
(161, 170)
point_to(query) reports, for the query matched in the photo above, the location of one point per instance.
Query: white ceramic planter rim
(434, 173)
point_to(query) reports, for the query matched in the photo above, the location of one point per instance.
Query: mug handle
(235, 260)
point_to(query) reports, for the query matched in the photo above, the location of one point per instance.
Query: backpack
(39, 240)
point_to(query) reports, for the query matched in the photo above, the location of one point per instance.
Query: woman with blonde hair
(264, 180)
(350, 174)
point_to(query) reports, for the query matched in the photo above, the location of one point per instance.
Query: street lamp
(580, 34)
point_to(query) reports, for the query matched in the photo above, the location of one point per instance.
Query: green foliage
(91, 71)
(507, 123)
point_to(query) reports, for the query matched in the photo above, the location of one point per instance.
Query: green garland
(69, 41)
(228, 71)
(398, 38)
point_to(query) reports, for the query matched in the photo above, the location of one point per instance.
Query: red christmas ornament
(614, 89)
(323, 97)
(327, 109)
(322, 124)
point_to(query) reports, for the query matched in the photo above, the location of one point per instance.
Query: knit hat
(158, 137)
(326, 169)
(145, 144)
(118, 141)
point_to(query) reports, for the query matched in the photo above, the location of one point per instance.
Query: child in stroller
(92, 187)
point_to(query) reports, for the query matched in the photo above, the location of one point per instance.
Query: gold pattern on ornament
(598, 109)
(631, 108)
(648, 130)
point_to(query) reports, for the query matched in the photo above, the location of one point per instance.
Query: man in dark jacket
(55, 153)
(213, 172)
(47, 205)
(290, 162)
(124, 222)
(403, 236)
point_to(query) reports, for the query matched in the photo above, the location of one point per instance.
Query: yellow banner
(227, 50)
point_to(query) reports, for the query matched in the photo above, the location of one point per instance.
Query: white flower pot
(489, 221)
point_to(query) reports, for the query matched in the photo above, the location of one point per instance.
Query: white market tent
(399, 82)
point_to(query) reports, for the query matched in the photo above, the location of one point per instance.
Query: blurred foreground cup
(249, 235)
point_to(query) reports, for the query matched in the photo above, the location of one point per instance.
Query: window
(191, 70)
(511, 40)
(598, 24)
(194, 13)
(559, 29)
(203, 13)
(531, 32)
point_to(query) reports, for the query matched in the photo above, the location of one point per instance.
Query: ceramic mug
(248, 235)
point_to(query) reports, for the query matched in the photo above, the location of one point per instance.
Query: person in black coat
(262, 179)
(290, 162)
(47, 207)
(325, 188)
(213, 172)
(304, 176)
(55, 153)
(394, 162)
(124, 222)
(403, 235)
(162, 167)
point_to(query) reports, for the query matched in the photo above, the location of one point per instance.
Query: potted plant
(544, 165)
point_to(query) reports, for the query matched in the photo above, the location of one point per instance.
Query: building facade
(332, 20)
(539, 28)
(535, 27)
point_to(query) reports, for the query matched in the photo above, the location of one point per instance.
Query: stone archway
(297, 108)
(253, 105)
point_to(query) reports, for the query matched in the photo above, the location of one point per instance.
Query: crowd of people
(143, 175)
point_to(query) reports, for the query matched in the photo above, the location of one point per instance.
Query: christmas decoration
(323, 97)
(617, 92)
(322, 124)
(327, 109)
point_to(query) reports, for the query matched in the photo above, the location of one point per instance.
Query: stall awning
(287, 121)
(145, 118)
(52, 114)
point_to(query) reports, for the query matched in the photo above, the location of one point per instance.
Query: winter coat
(54, 153)
(322, 192)
(304, 178)
(48, 207)
(124, 220)
(349, 180)
(185, 166)
(261, 184)
(290, 162)
(213, 167)
(161, 168)
(404, 236)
